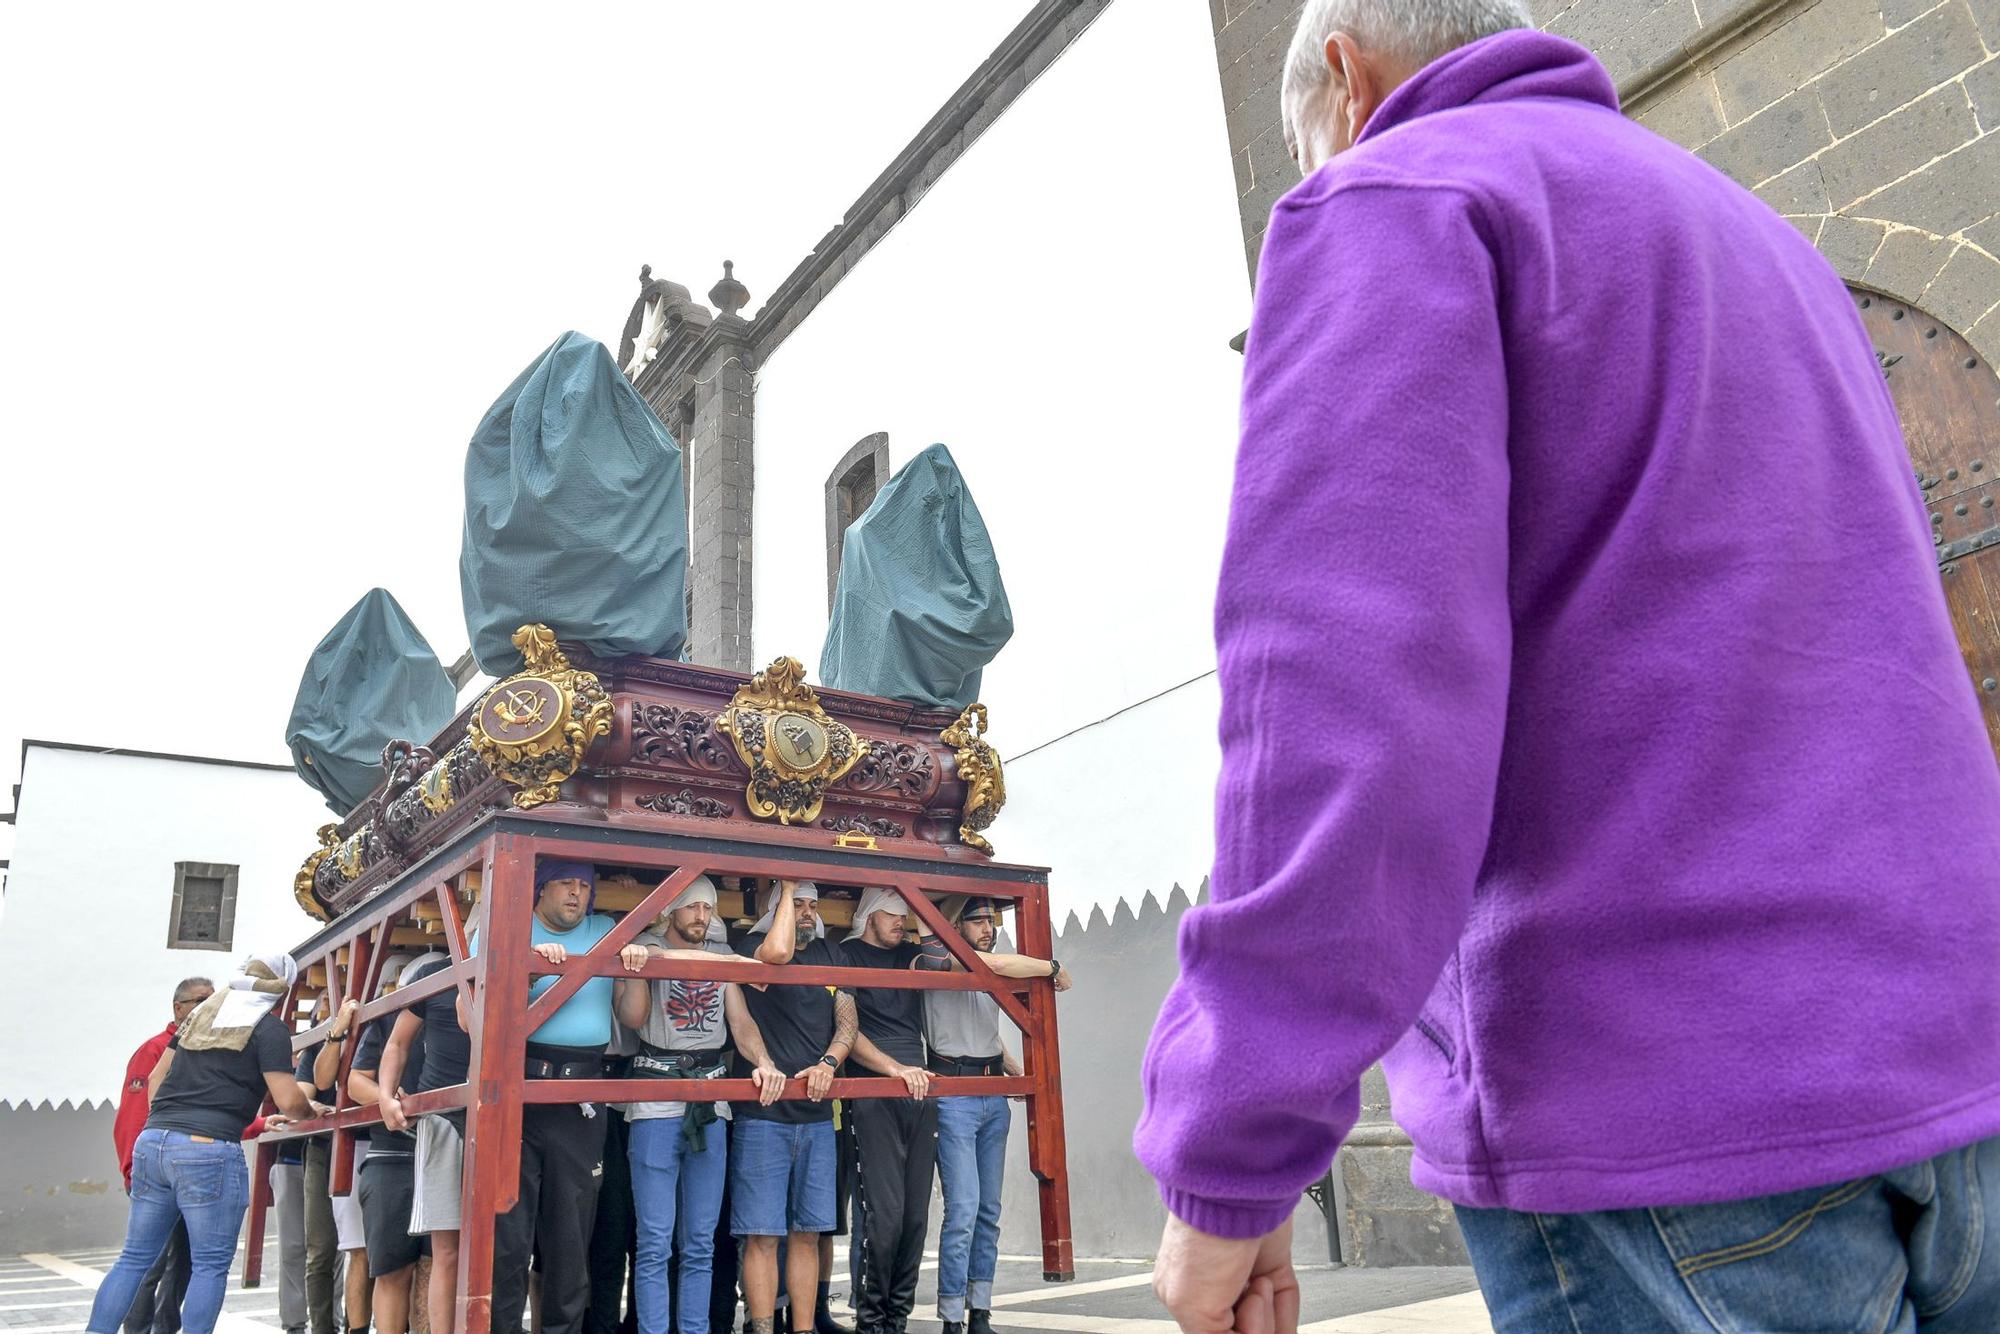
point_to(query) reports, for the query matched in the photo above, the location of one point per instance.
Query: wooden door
(1949, 402)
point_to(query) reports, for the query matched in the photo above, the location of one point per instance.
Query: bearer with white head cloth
(962, 1031)
(678, 1147)
(187, 1164)
(895, 1138)
(781, 1157)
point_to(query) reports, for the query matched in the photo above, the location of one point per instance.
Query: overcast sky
(268, 265)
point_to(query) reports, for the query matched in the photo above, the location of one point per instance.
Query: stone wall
(1868, 123)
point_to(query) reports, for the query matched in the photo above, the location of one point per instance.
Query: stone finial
(728, 296)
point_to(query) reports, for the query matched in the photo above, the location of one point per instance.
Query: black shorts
(388, 1188)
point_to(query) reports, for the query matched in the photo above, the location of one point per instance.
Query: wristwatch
(829, 1062)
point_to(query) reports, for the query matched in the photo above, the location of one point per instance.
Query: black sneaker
(978, 1321)
(824, 1323)
(954, 1327)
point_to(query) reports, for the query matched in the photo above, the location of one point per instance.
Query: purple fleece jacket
(1595, 742)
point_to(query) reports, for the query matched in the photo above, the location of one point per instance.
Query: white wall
(85, 975)
(1077, 364)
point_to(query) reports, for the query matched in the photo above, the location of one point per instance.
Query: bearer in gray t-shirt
(962, 1031)
(678, 1148)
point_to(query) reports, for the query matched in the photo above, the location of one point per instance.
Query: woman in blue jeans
(188, 1163)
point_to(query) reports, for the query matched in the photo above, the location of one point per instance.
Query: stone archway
(1948, 399)
(1951, 278)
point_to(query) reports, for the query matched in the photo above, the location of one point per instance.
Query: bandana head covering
(875, 899)
(701, 891)
(546, 871)
(806, 890)
(417, 965)
(224, 1021)
(975, 908)
(392, 970)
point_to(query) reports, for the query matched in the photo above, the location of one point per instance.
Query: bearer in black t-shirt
(388, 1175)
(781, 1154)
(429, 1035)
(188, 1164)
(896, 1139)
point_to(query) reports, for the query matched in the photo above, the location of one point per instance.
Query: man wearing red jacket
(157, 1308)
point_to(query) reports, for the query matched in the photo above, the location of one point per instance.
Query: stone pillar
(697, 373)
(720, 462)
(1384, 1220)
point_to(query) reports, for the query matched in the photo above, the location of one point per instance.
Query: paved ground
(51, 1294)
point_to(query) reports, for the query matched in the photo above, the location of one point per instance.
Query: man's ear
(1344, 59)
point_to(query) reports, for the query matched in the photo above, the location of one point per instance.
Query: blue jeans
(972, 1159)
(174, 1178)
(1901, 1251)
(676, 1193)
(780, 1177)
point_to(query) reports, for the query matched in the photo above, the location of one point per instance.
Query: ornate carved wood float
(668, 745)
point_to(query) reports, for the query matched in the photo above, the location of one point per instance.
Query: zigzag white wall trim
(66, 1105)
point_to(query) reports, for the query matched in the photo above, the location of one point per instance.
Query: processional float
(656, 771)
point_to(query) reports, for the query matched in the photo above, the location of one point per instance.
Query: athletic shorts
(440, 1168)
(388, 1187)
(350, 1232)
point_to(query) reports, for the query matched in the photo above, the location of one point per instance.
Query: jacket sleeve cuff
(1236, 1219)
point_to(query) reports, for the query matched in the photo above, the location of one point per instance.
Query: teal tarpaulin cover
(573, 515)
(919, 610)
(371, 681)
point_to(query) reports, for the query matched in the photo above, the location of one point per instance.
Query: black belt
(658, 1063)
(563, 1065)
(953, 1066)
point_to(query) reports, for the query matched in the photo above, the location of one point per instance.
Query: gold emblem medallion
(533, 728)
(792, 748)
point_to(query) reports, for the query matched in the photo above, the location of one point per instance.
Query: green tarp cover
(573, 515)
(919, 610)
(371, 681)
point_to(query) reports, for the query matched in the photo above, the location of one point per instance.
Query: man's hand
(343, 1023)
(634, 957)
(553, 952)
(916, 1079)
(770, 1084)
(818, 1077)
(1216, 1285)
(320, 1108)
(1062, 979)
(392, 1114)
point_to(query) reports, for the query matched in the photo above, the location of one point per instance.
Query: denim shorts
(780, 1177)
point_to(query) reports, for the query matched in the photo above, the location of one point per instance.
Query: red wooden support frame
(495, 982)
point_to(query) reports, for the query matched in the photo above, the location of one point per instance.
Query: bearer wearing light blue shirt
(562, 1144)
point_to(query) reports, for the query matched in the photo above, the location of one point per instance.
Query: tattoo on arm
(845, 1024)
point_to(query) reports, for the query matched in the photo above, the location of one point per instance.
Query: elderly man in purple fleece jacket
(1570, 764)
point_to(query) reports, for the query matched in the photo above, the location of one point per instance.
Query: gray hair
(1416, 31)
(185, 988)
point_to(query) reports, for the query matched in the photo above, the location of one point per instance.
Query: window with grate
(204, 912)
